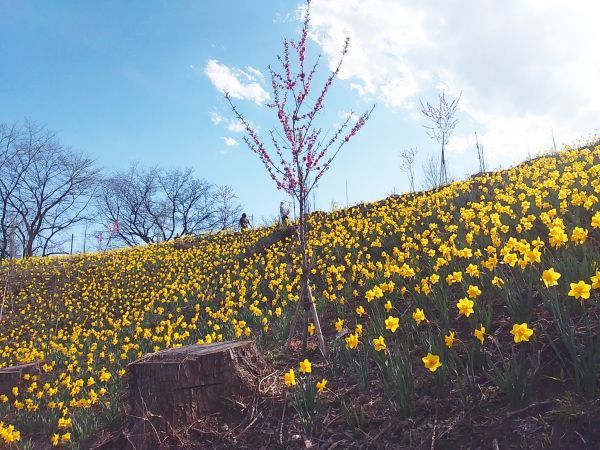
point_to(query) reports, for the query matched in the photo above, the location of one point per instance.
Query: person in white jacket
(284, 213)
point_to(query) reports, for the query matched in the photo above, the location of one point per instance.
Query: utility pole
(553, 141)
(72, 237)
(294, 205)
(85, 238)
(347, 204)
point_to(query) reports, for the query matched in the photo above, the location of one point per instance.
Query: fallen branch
(282, 417)
(533, 405)
(433, 433)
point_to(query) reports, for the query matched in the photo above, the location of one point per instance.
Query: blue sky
(124, 81)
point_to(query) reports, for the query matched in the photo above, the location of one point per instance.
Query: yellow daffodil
(521, 332)
(497, 281)
(550, 277)
(321, 385)
(480, 333)
(392, 323)
(595, 279)
(418, 315)
(305, 366)
(580, 290)
(432, 362)
(449, 339)
(473, 291)
(351, 341)
(290, 378)
(379, 344)
(596, 220)
(465, 307)
(473, 270)
(579, 235)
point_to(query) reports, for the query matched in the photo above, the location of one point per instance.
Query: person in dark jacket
(244, 222)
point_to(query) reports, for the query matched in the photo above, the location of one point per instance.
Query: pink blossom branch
(298, 148)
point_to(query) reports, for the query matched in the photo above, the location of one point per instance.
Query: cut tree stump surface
(174, 388)
(177, 355)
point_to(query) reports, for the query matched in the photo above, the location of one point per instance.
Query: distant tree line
(48, 191)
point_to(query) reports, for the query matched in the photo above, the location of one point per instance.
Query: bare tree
(443, 124)
(152, 205)
(45, 189)
(123, 199)
(55, 197)
(407, 165)
(226, 208)
(18, 148)
(184, 204)
(431, 173)
(196, 212)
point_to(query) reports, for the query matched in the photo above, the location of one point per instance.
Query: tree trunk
(443, 173)
(171, 390)
(306, 307)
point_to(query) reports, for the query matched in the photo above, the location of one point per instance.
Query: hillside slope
(454, 307)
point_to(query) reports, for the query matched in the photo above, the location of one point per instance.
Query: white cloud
(216, 118)
(230, 142)
(345, 115)
(288, 16)
(460, 144)
(255, 72)
(384, 39)
(235, 126)
(232, 125)
(524, 66)
(240, 85)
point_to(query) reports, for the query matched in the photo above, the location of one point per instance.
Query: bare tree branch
(152, 205)
(407, 165)
(45, 188)
(443, 124)
(431, 173)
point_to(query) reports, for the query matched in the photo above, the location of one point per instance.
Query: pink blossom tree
(299, 153)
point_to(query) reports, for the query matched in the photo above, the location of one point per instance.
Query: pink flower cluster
(299, 158)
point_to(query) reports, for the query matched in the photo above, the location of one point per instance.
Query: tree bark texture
(172, 389)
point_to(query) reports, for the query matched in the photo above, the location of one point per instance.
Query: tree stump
(172, 389)
(13, 376)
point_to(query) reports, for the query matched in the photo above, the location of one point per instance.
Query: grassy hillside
(440, 308)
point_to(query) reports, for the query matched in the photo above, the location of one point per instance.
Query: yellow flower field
(418, 281)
